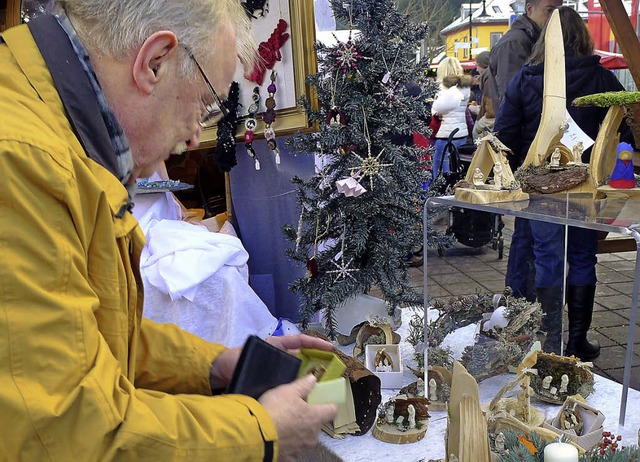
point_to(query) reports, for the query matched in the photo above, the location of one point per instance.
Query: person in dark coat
(507, 58)
(516, 125)
(513, 49)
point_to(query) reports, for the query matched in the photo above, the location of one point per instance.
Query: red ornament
(347, 55)
(269, 52)
(312, 267)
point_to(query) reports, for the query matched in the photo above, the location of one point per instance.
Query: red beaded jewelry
(269, 52)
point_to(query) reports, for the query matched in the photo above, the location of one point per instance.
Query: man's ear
(527, 8)
(151, 61)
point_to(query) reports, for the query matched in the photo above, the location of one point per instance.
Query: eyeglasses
(214, 109)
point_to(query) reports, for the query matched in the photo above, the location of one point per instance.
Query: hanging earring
(269, 117)
(250, 125)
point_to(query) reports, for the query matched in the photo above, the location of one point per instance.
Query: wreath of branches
(494, 350)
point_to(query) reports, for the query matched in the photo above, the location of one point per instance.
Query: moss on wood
(611, 98)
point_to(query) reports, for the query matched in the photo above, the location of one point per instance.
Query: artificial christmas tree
(361, 213)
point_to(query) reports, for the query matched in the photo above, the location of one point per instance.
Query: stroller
(472, 228)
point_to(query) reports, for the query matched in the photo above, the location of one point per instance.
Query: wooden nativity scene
(554, 162)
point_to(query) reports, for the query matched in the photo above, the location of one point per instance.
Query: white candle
(560, 452)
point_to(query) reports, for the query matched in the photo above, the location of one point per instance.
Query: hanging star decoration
(323, 177)
(388, 92)
(347, 55)
(370, 166)
(343, 270)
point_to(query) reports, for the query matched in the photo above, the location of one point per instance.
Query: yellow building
(488, 23)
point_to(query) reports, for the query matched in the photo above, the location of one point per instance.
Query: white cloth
(180, 255)
(225, 309)
(198, 279)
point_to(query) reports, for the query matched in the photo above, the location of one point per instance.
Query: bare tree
(438, 14)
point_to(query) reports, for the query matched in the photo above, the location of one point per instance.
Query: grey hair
(117, 28)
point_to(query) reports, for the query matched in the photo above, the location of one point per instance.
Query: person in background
(516, 126)
(507, 58)
(450, 105)
(486, 114)
(513, 49)
(90, 100)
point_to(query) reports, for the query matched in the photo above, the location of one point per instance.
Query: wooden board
(554, 97)
(462, 385)
(616, 193)
(478, 196)
(390, 433)
(603, 154)
(474, 436)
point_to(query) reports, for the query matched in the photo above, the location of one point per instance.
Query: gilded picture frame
(299, 60)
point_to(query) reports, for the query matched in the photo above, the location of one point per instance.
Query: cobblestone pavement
(464, 270)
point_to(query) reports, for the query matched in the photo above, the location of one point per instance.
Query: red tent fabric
(607, 59)
(612, 60)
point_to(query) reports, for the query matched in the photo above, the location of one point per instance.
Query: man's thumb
(304, 385)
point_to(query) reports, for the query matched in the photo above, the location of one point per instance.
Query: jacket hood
(578, 70)
(525, 24)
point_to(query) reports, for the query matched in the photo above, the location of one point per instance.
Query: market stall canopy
(609, 60)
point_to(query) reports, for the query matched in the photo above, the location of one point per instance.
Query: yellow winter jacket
(83, 376)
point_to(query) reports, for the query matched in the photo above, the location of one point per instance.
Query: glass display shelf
(611, 215)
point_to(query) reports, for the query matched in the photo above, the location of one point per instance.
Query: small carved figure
(499, 442)
(497, 175)
(622, 176)
(399, 423)
(317, 371)
(453, 458)
(564, 382)
(433, 390)
(382, 362)
(555, 158)
(546, 382)
(420, 387)
(553, 391)
(577, 152)
(391, 407)
(412, 416)
(478, 177)
(570, 420)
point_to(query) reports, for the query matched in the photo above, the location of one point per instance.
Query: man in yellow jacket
(90, 100)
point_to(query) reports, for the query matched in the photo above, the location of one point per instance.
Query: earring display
(225, 153)
(269, 117)
(250, 125)
(256, 8)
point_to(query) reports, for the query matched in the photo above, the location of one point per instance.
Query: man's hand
(222, 368)
(293, 343)
(298, 423)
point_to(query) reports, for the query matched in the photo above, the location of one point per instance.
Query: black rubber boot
(580, 302)
(551, 300)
